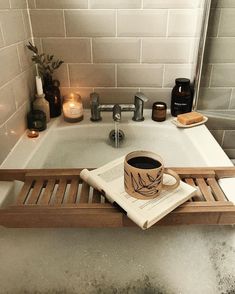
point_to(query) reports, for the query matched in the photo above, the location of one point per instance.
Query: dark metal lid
(182, 81)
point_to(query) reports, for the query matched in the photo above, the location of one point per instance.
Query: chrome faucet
(137, 107)
(117, 112)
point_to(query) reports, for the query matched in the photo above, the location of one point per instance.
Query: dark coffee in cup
(143, 175)
(144, 162)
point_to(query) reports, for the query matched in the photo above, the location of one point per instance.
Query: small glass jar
(36, 120)
(159, 111)
(72, 108)
(32, 133)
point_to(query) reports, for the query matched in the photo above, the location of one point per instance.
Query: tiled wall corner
(121, 46)
(16, 72)
(113, 47)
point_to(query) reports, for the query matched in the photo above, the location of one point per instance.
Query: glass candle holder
(159, 111)
(72, 108)
(37, 120)
(32, 133)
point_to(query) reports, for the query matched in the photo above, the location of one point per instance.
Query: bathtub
(87, 144)
(160, 260)
(220, 119)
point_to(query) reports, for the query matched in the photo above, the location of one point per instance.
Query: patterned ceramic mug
(143, 175)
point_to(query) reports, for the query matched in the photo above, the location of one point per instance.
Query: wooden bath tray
(59, 198)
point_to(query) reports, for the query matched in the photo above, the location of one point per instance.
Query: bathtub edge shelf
(57, 198)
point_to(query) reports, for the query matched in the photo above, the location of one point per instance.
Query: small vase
(40, 103)
(52, 95)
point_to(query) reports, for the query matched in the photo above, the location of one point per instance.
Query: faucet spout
(137, 108)
(117, 110)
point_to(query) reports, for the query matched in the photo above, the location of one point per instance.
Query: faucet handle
(94, 97)
(141, 96)
(95, 111)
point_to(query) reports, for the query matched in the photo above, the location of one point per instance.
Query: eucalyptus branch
(46, 63)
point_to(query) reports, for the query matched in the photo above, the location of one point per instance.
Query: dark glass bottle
(181, 97)
(36, 120)
(52, 95)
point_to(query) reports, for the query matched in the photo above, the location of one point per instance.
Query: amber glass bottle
(52, 95)
(181, 97)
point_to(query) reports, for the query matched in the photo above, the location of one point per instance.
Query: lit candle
(72, 108)
(32, 133)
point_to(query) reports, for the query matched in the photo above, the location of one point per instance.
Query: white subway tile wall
(114, 47)
(119, 46)
(218, 80)
(16, 72)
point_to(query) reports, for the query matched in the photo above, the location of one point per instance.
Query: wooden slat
(218, 194)
(54, 173)
(96, 196)
(204, 189)
(192, 172)
(24, 192)
(84, 193)
(198, 196)
(73, 191)
(46, 196)
(215, 210)
(35, 192)
(197, 204)
(20, 174)
(225, 172)
(59, 196)
(52, 217)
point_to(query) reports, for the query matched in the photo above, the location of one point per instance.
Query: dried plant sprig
(45, 62)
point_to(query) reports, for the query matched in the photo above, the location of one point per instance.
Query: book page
(110, 179)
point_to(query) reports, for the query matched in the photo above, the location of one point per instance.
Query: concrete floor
(185, 259)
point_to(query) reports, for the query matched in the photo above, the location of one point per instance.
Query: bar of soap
(189, 118)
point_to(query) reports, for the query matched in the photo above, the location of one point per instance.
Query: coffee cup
(143, 175)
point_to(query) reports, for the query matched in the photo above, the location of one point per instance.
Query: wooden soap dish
(180, 125)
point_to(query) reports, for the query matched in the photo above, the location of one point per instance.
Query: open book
(109, 179)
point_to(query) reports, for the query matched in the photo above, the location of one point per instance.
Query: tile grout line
(219, 24)
(116, 79)
(210, 80)
(222, 140)
(141, 50)
(167, 23)
(12, 79)
(24, 24)
(18, 54)
(68, 73)
(91, 47)
(65, 31)
(17, 110)
(163, 75)
(230, 100)
(116, 23)
(3, 37)
(30, 22)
